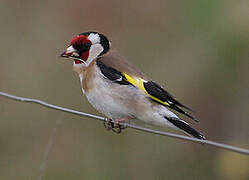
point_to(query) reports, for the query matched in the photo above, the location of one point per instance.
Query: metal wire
(152, 131)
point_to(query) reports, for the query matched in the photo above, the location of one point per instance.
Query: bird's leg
(115, 126)
(108, 124)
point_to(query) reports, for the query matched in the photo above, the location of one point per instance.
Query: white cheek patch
(94, 51)
(94, 38)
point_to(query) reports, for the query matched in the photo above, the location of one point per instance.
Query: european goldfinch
(118, 89)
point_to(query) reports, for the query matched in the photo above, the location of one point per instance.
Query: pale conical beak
(64, 54)
(71, 53)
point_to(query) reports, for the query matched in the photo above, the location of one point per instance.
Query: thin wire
(177, 136)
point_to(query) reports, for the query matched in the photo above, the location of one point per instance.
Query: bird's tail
(185, 127)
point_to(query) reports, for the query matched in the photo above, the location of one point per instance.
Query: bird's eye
(82, 47)
(86, 46)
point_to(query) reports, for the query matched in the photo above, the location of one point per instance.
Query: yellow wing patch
(139, 83)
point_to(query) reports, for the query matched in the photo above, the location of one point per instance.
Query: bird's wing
(158, 94)
(150, 88)
(112, 74)
(116, 61)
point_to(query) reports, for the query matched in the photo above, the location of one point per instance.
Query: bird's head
(86, 47)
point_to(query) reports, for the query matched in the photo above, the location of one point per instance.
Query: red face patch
(79, 42)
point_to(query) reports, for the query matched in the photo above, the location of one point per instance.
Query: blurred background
(198, 50)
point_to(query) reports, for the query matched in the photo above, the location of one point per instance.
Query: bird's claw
(114, 126)
(108, 124)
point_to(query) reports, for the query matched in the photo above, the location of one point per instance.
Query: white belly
(110, 99)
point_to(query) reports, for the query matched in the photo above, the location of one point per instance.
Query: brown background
(198, 50)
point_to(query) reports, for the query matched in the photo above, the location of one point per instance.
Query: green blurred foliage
(198, 50)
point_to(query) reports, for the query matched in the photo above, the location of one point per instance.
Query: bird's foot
(114, 125)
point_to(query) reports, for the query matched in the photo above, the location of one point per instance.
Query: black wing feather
(157, 91)
(162, 94)
(112, 74)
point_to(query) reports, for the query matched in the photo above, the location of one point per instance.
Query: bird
(119, 90)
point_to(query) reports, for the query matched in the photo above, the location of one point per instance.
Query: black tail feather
(176, 108)
(185, 127)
